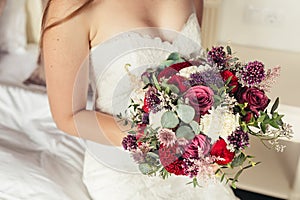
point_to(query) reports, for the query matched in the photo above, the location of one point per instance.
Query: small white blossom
(186, 72)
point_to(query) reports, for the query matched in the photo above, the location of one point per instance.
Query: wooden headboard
(34, 11)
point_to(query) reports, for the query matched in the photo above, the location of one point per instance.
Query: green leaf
(261, 118)
(174, 89)
(275, 105)
(237, 175)
(169, 120)
(185, 132)
(145, 168)
(274, 124)
(229, 50)
(132, 132)
(195, 182)
(174, 56)
(167, 63)
(196, 127)
(263, 127)
(222, 178)
(233, 185)
(239, 160)
(185, 112)
(228, 80)
(156, 84)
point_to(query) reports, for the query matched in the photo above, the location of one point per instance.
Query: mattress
(37, 161)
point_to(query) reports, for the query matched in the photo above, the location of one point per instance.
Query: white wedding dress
(109, 172)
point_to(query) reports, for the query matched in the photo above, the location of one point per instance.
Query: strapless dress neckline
(135, 32)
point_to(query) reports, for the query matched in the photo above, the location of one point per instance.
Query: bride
(88, 43)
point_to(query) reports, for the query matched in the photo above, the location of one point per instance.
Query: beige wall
(254, 37)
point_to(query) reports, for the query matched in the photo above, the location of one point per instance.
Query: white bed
(37, 161)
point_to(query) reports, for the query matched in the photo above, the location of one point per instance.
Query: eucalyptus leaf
(145, 168)
(196, 127)
(167, 63)
(185, 132)
(174, 56)
(185, 112)
(169, 120)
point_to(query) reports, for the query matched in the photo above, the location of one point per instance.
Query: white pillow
(13, 27)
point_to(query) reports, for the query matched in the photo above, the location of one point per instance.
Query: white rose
(221, 122)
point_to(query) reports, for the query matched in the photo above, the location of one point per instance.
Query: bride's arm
(199, 10)
(65, 54)
(2, 5)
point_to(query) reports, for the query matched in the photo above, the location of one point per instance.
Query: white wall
(263, 23)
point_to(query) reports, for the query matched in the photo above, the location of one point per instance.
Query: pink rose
(201, 98)
(199, 142)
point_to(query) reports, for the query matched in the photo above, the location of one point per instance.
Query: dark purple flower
(217, 56)
(239, 139)
(196, 79)
(145, 118)
(253, 73)
(129, 142)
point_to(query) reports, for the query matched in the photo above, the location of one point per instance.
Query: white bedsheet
(37, 161)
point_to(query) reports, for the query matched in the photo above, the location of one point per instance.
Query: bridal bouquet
(196, 116)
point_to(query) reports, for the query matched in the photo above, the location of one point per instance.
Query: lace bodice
(111, 77)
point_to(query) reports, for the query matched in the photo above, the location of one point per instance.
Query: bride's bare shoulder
(62, 9)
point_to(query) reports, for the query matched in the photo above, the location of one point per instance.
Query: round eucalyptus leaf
(169, 120)
(145, 168)
(196, 127)
(185, 112)
(185, 132)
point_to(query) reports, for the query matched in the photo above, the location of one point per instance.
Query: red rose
(234, 80)
(180, 82)
(256, 99)
(201, 98)
(177, 167)
(172, 70)
(145, 107)
(219, 149)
